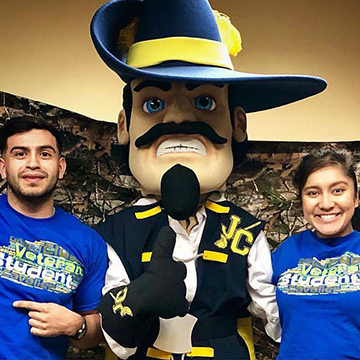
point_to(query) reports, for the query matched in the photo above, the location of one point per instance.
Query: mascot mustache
(186, 128)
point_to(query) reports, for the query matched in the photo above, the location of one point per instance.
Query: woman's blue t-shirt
(318, 293)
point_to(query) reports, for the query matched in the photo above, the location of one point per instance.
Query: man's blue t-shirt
(57, 259)
(318, 293)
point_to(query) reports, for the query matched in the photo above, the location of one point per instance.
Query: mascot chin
(185, 265)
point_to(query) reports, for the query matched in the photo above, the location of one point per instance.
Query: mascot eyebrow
(166, 86)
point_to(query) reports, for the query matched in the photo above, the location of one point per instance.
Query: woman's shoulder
(293, 242)
(287, 254)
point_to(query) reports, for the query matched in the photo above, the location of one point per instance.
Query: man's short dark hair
(23, 124)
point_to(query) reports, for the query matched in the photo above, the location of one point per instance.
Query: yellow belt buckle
(196, 351)
(201, 352)
(158, 354)
(109, 355)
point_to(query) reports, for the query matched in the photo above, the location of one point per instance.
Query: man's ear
(123, 134)
(62, 167)
(2, 168)
(239, 133)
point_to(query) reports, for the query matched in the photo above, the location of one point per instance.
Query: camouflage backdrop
(98, 182)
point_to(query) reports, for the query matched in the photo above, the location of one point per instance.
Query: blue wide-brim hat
(179, 40)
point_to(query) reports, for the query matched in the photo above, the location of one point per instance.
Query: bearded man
(52, 267)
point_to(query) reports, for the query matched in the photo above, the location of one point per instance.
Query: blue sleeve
(273, 277)
(281, 258)
(88, 293)
(275, 258)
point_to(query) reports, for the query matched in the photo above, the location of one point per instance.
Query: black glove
(129, 311)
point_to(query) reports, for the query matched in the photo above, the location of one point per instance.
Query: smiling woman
(315, 271)
(329, 200)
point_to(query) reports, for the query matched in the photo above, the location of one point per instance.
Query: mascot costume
(185, 265)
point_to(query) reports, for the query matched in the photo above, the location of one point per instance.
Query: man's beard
(32, 195)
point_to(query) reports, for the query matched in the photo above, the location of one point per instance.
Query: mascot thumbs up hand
(158, 292)
(161, 289)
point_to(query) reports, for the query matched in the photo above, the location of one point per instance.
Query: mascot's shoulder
(229, 212)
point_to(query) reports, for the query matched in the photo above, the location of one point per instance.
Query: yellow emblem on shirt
(235, 234)
(118, 306)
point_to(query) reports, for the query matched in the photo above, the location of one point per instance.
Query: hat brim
(256, 92)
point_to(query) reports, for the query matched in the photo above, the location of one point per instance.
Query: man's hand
(50, 319)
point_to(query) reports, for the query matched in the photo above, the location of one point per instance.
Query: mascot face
(186, 124)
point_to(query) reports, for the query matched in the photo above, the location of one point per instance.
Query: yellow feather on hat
(230, 35)
(127, 36)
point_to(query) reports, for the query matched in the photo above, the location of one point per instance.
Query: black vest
(228, 236)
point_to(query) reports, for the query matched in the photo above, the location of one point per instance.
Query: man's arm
(93, 334)
(50, 320)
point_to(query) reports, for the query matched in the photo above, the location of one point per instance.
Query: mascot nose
(179, 111)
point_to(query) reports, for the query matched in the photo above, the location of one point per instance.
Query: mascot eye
(153, 105)
(204, 102)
